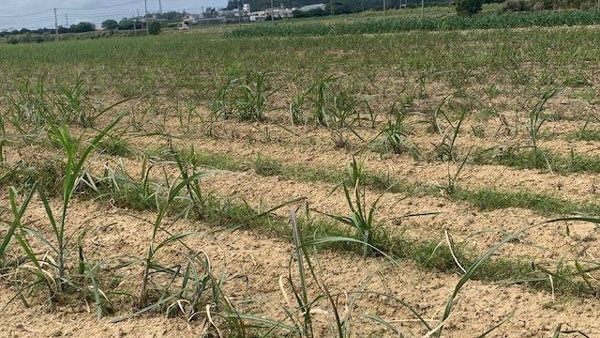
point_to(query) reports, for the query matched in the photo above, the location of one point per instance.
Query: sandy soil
(261, 260)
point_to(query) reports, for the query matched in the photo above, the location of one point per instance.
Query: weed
(297, 116)
(115, 146)
(266, 166)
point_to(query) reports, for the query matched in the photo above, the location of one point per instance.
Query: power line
(102, 7)
(76, 14)
(28, 14)
(71, 9)
(91, 16)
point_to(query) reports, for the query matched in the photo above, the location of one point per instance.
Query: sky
(16, 14)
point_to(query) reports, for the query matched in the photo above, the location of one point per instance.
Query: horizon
(36, 14)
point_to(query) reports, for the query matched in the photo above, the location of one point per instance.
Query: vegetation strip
(539, 159)
(500, 21)
(483, 198)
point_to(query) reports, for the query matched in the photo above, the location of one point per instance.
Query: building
(277, 13)
(312, 7)
(258, 16)
(235, 15)
(281, 13)
(190, 19)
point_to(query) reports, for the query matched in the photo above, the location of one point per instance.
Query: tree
(82, 27)
(154, 28)
(468, 7)
(170, 16)
(125, 24)
(110, 24)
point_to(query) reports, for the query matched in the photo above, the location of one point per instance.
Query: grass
(540, 159)
(265, 166)
(115, 146)
(86, 279)
(428, 254)
(484, 198)
(586, 135)
(491, 199)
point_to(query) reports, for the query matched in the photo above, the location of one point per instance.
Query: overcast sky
(16, 14)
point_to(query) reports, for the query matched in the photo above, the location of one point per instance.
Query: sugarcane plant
(361, 218)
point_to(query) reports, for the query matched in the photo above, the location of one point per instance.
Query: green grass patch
(540, 159)
(586, 135)
(114, 146)
(491, 199)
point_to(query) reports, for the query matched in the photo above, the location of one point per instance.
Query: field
(417, 183)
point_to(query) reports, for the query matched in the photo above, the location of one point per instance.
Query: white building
(311, 7)
(277, 13)
(258, 16)
(190, 19)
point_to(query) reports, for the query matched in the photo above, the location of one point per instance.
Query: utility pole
(160, 6)
(384, 9)
(67, 19)
(134, 20)
(273, 13)
(137, 18)
(56, 24)
(146, 16)
(422, 9)
(239, 14)
(331, 5)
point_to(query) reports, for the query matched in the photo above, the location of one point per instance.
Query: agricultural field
(215, 184)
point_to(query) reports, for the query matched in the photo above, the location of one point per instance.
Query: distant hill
(347, 6)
